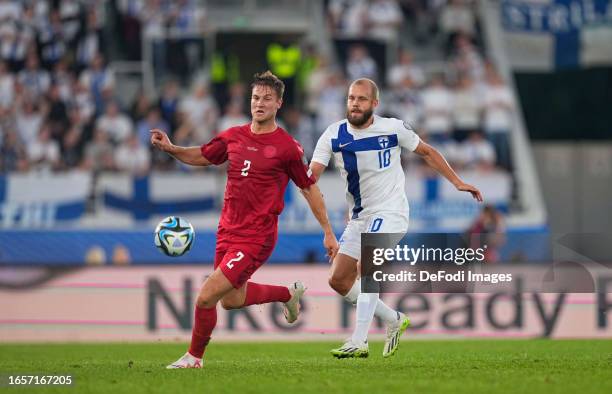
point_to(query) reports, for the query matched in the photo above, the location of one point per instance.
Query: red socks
(261, 294)
(203, 325)
(206, 319)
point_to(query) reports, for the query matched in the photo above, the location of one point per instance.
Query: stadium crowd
(58, 97)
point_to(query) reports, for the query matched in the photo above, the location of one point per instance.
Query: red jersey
(259, 169)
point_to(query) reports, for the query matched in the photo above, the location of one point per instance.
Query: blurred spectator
(100, 80)
(238, 96)
(154, 20)
(99, 153)
(140, 107)
(82, 102)
(302, 128)
(130, 12)
(132, 157)
(44, 152)
(17, 38)
(12, 153)
(488, 229)
(169, 102)
(198, 115)
(10, 10)
(405, 68)
(71, 148)
(315, 83)
(74, 117)
(33, 79)
(348, 17)
(90, 42)
(233, 116)
(41, 9)
(28, 119)
(457, 17)
(332, 101)
(63, 79)
(115, 123)
(383, 20)
(476, 152)
(57, 115)
(52, 40)
(28, 24)
(152, 120)
(187, 19)
(71, 12)
(466, 109)
(422, 17)
(7, 88)
(437, 107)
(7, 121)
(404, 102)
(360, 64)
(498, 117)
(467, 60)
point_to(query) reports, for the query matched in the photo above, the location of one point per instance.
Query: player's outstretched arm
(187, 154)
(435, 160)
(317, 169)
(317, 206)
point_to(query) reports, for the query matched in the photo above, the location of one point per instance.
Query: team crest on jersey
(383, 142)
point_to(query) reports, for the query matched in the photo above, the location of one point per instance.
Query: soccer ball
(174, 236)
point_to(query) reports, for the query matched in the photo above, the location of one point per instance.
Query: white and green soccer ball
(174, 236)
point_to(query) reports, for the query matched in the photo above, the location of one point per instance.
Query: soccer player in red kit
(262, 158)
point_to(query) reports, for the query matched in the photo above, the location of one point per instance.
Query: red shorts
(239, 258)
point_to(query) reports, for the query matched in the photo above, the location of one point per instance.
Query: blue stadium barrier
(70, 247)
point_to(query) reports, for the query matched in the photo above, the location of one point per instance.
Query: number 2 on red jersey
(245, 169)
(230, 263)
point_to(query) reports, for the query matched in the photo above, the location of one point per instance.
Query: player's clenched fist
(160, 140)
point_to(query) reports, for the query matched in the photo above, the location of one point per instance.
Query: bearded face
(360, 104)
(358, 117)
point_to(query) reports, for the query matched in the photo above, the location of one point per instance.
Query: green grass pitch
(449, 366)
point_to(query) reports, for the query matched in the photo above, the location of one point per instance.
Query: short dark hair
(268, 79)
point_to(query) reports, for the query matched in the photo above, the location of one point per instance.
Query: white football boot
(351, 349)
(187, 361)
(394, 332)
(291, 308)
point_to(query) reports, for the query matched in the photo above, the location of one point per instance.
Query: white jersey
(369, 162)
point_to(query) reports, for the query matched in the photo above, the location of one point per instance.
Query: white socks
(353, 293)
(382, 310)
(366, 306)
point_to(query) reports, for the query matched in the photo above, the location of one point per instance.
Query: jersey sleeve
(215, 150)
(297, 167)
(323, 151)
(407, 137)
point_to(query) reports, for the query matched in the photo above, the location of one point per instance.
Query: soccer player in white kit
(366, 149)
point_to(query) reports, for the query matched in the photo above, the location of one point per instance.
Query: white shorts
(350, 242)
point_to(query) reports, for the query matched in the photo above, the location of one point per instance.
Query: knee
(340, 285)
(205, 302)
(228, 304)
